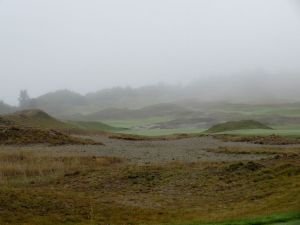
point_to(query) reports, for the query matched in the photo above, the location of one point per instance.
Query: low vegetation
(73, 188)
(29, 166)
(17, 135)
(36, 118)
(264, 140)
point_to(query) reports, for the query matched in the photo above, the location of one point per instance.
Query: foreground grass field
(65, 187)
(153, 181)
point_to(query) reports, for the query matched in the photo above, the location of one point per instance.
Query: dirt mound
(237, 125)
(25, 135)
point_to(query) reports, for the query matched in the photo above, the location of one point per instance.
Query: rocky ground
(159, 151)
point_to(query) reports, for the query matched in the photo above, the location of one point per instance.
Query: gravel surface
(144, 152)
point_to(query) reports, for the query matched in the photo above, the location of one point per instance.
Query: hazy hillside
(5, 108)
(157, 110)
(127, 97)
(62, 102)
(200, 94)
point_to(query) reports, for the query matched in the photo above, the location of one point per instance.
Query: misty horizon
(247, 88)
(86, 47)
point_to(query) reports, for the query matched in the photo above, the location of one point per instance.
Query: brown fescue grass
(26, 166)
(69, 188)
(18, 135)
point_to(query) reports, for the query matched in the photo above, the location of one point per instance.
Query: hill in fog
(5, 108)
(249, 88)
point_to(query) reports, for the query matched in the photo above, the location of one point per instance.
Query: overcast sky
(86, 45)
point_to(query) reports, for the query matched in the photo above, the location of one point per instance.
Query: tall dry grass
(29, 165)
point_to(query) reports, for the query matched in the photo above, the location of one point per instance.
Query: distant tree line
(25, 102)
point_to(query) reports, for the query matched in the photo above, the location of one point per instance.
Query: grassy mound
(24, 135)
(41, 120)
(36, 118)
(237, 125)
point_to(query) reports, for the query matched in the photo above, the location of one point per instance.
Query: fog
(85, 46)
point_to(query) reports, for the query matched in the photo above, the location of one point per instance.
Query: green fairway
(132, 128)
(293, 222)
(137, 122)
(261, 110)
(285, 113)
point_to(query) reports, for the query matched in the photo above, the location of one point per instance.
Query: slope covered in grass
(24, 135)
(39, 119)
(36, 118)
(237, 125)
(5, 108)
(77, 188)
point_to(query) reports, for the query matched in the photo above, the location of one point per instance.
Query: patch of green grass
(263, 132)
(294, 222)
(96, 126)
(279, 219)
(262, 110)
(137, 122)
(289, 111)
(286, 127)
